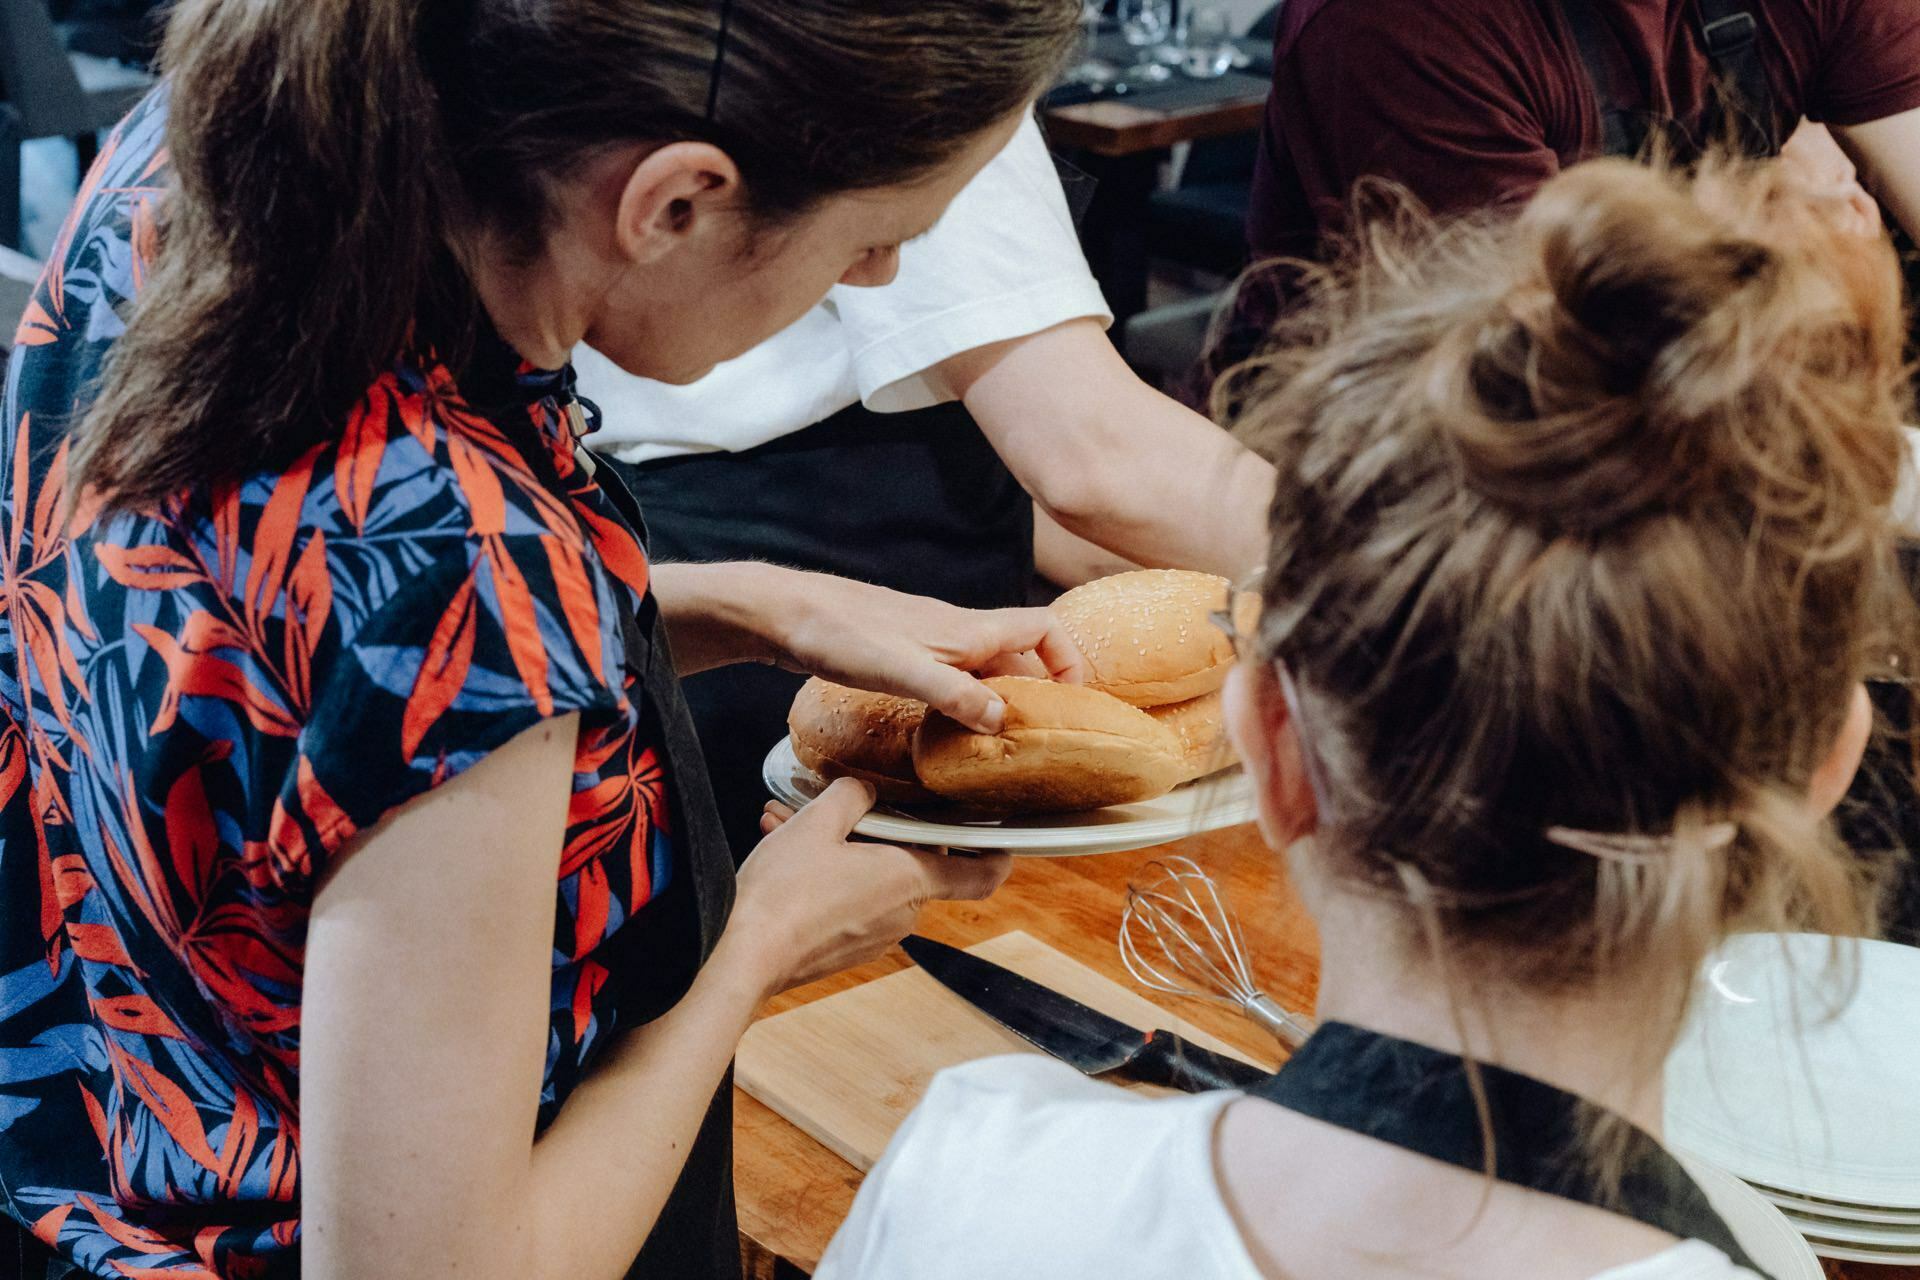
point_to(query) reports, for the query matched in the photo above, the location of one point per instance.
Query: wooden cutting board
(848, 1068)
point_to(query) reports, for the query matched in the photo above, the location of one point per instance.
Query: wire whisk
(1180, 936)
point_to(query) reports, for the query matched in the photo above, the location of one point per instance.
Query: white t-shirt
(1004, 262)
(1020, 1168)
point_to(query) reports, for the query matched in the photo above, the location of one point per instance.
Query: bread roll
(849, 733)
(1147, 636)
(1064, 747)
(1200, 726)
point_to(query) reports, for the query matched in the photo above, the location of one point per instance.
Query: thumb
(836, 810)
(959, 695)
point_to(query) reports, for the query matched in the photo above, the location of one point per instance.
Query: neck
(1582, 1041)
(531, 304)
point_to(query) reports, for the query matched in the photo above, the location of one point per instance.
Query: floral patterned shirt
(200, 705)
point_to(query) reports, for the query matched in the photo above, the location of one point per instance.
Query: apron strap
(1741, 93)
(1419, 1099)
(643, 638)
(1730, 31)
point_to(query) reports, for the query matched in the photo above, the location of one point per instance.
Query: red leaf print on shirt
(137, 1014)
(37, 328)
(363, 446)
(521, 622)
(154, 568)
(309, 601)
(577, 601)
(200, 675)
(443, 672)
(167, 1102)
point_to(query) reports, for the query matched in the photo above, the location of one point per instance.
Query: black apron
(698, 1235)
(1418, 1099)
(917, 501)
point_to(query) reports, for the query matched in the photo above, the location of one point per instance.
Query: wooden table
(1121, 144)
(793, 1192)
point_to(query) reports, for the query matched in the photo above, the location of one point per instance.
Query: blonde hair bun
(1642, 343)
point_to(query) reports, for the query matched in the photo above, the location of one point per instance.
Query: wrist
(745, 962)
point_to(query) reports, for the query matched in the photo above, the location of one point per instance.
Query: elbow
(1077, 495)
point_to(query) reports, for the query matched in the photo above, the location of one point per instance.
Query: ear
(673, 195)
(1264, 733)
(1835, 774)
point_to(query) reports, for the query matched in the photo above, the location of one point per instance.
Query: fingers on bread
(1148, 720)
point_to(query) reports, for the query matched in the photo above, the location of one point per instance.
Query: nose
(878, 267)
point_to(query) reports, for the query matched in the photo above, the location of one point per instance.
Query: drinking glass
(1092, 70)
(1210, 50)
(1146, 25)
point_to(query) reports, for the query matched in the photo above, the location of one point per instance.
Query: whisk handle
(1166, 1059)
(1290, 1029)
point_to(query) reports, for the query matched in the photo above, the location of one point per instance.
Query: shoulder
(1002, 1152)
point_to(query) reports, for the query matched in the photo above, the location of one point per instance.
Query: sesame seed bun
(849, 733)
(1200, 726)
(1146, 635)
(1065, 747)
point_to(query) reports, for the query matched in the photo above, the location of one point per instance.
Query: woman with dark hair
(363, 909)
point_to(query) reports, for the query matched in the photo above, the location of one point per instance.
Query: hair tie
(719, 58)
(1615, 847)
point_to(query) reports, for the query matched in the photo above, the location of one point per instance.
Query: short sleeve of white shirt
(1004, 262)
(1019, 1168)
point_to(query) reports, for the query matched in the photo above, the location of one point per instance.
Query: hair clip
(1613, 847)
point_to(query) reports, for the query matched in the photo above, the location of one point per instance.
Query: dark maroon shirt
(1470, 103)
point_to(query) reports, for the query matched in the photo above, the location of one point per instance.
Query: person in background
(904, 435)
(363, 906)
(1473, 104)
(1556, 498)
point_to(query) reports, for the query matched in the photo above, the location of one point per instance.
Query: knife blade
(1083, 1038)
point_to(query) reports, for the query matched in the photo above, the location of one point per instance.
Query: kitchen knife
(1083, 1038)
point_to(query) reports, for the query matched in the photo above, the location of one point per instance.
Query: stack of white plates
(1813, 1102)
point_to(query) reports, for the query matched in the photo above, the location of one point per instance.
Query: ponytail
(305, 234)
(328, 155)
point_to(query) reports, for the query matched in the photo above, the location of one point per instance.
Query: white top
(1020, 1168)
(1004, 262)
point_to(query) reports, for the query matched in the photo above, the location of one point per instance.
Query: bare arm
(1067, 559)
(1888, 153)
(853, 632)
(425, 1015)
(1113, 460)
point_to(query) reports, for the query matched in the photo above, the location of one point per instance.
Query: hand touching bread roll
(1064, 747)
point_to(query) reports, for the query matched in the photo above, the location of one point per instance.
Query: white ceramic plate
(1224, 800)
(1762, 1230)
(1856, 1253)
(1770, 1084)
(1863, 1234)
(1807, 1206)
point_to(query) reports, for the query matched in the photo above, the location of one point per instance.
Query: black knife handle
(1168, 1060)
